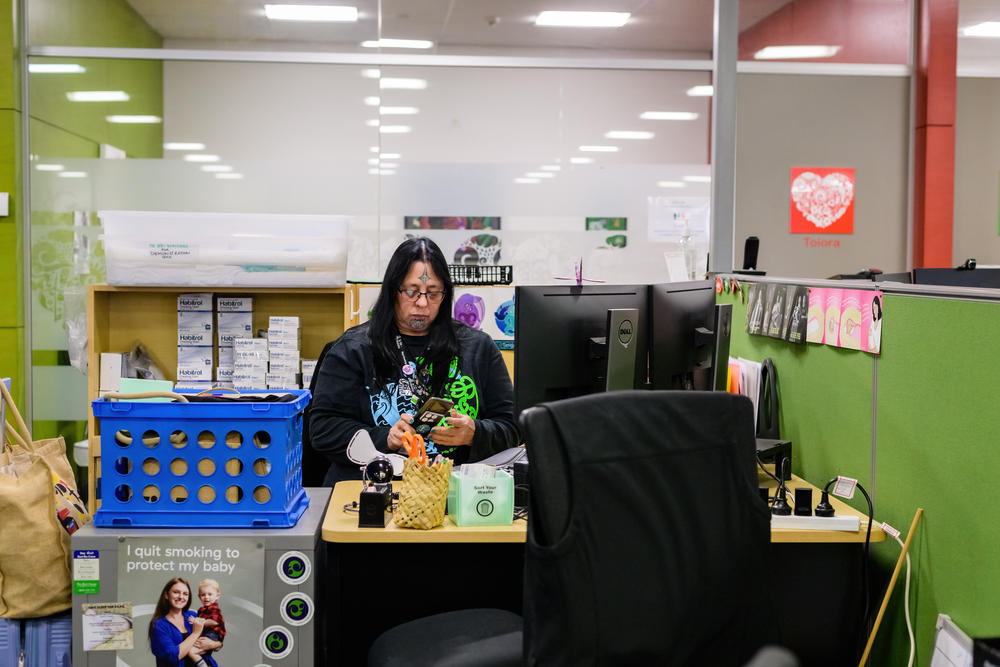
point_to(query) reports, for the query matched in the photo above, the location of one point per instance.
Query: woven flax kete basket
(423, 496)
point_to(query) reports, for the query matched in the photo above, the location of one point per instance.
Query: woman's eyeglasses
(413, 295)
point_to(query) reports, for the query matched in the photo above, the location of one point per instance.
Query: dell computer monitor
(682, 336)
(561, 340)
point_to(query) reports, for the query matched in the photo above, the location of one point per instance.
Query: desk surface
(341, 526)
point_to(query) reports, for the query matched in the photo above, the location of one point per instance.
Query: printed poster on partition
(845, 318)
(778, 311)
(150, 567)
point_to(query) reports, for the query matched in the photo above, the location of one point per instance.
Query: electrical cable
(864, 563)
(906, 605)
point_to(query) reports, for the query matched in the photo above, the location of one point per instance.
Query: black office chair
(647, 543)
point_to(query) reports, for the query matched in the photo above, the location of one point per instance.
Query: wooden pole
(892, 583)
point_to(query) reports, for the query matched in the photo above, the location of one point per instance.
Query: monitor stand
(622, 336)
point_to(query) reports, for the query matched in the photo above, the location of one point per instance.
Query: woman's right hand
(403, 426)
(197, 625)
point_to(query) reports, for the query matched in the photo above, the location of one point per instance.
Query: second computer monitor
(682, 337)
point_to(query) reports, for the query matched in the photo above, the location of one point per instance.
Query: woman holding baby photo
(175, 632)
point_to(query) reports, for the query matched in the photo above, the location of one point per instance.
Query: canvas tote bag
(34, 546)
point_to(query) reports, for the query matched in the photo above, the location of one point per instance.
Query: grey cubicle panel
(269, 581)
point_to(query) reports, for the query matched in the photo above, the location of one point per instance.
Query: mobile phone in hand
(430, 414)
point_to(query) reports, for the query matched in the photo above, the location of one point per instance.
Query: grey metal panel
(304, 537)
(724, 54)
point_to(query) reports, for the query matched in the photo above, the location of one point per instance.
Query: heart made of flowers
(822, 200)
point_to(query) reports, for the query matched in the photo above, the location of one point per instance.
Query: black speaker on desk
(775, 451)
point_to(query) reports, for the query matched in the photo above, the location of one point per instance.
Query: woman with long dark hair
(377, 375)
(175, 631)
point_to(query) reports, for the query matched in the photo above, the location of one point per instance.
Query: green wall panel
(937, 428)
(88, 23)
(10, 82)
(825, 398)
(12, 361)
(141, 80)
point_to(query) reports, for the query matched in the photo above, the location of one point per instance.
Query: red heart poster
(822, 200)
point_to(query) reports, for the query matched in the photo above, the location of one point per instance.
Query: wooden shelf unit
(120, 317)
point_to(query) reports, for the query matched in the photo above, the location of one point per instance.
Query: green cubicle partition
(917, 426)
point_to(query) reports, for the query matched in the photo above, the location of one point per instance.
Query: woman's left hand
(454, 430)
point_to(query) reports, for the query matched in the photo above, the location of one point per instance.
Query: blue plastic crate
(48, 641)
(10, 641)
(208, 465)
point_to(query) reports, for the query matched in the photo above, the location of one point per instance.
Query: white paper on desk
(952, 647)
(750, 372)
(676, 266)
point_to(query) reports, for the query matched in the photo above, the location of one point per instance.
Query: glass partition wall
(572, 146)
(577, 145)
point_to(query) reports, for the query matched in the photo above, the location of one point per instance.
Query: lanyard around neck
(417, 378)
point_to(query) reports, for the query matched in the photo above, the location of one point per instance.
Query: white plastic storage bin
(242, 249)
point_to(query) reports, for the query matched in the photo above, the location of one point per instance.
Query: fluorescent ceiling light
(97, 96)
(381, 172)
(373, 161)
(373, 101)
(698, 179)
(134, 119)
(398, 111)
(700, 91)
(583, 19)
(72, 174)
(184, 146)
(527, 180)
(402, 84)
(389, 165)
(56, 68)
(550, 167)
(671, 184)
(371, 73)
(48, 167)
(386, 43)
(628, 134)
(581, 160)
(216, 167)
(374, 149)
(374, 122)
(390, 156)
(232, 176)
(984, 29)
(201, 157)
(668, 115)
(341, 13)
(540, 174)
(796, 51)
(599, 149)
(394, 129)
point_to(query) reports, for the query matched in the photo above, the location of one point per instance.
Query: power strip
(846, 523)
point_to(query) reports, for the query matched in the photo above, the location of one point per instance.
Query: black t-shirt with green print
(348, 397)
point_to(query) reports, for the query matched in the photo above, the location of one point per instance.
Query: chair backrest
(647, 539)
(314, 463)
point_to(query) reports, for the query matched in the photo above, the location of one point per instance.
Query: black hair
(877, 302)
(442, 343)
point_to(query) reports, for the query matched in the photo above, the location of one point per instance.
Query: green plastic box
(475, 501)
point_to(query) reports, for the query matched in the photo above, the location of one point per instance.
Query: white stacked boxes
(234, 317)
(194, 339)
(249, 363)
(283, 343)
(308, 368)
